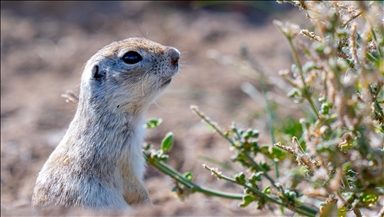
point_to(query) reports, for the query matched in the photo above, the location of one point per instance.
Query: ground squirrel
(99, 161)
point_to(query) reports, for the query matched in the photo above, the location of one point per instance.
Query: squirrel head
(127, 75)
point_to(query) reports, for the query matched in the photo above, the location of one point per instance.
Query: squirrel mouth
(166, 82)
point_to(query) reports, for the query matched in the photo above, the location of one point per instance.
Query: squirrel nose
(174, 54)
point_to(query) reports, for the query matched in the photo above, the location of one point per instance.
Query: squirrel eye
(132, 57)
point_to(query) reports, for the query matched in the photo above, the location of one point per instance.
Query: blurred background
(44, 46)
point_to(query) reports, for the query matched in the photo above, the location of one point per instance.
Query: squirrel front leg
(138, 194)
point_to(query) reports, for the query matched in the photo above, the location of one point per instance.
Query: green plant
(338, 153)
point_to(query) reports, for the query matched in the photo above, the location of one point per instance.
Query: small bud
(167, 142)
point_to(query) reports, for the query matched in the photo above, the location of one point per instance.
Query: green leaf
(267, 190)
(273, 153)
(348, 196)
(265, 166)
(164, 157)
(369, 199)
(247, 199)
(329, 209)
(147, 147)
(261, 203)
(294, 93)
(255, 177)
(240, 178)
(158, 154)
(188, 175)
(351, 173)
(308, 66)
(167, 142)
(318, 47)
(325, 108)
(152, 123)
(342, 211)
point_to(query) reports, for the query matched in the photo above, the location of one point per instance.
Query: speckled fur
(99, 162)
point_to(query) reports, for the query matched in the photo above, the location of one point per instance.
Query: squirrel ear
(96, 73)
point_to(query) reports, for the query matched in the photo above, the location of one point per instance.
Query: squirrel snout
(175, 55)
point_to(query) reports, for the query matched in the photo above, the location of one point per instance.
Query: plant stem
(270, 119)
(304, 210)
(161, 166)
(214, 126)
(297, 60)
(345, 182)
(357, 212)
(263, 83)
(164, 168)
(258, 167)
(372, 58)
(271, 129)
(352, 18)
(377, 42)
(298, 63)
(219, 163)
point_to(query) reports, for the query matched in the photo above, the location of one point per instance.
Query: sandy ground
(45, 45)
